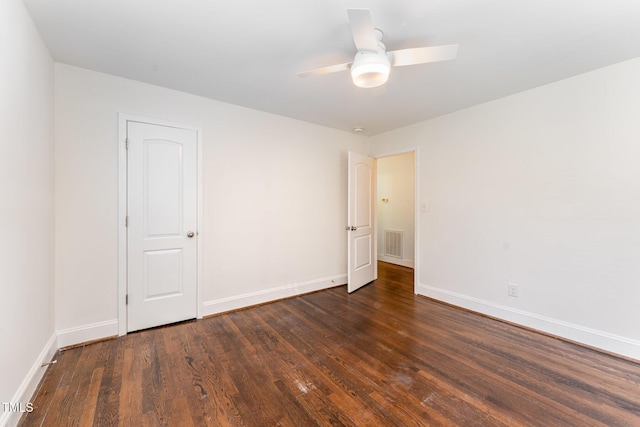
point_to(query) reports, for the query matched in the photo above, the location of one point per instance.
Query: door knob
(353, 228)
(190, 234)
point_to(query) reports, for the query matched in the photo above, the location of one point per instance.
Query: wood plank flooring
(379, 357)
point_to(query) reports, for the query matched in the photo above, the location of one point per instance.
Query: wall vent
(393, 243)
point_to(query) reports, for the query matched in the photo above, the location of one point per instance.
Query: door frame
(416, 207)
(123, 120)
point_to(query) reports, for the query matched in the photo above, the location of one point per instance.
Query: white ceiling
(248, 52)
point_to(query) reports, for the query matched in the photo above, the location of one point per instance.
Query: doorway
(396, 209)
(160, 196)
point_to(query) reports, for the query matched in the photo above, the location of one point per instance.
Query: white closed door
(361, 246)
(161, 231)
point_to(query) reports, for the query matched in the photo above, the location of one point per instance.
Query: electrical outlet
(512, 290)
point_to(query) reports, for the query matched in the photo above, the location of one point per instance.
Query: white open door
(162, 219)
(361, 228)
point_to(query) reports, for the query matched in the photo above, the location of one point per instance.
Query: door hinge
(126, 221)
(126, 299)
(126, 143)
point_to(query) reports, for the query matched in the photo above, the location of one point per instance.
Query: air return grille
(393, 243)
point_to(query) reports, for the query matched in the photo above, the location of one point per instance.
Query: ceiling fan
(371, 65)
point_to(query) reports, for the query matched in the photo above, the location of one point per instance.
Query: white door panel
(363, 185)
(162, 211)
(164, 188)
(362, 258)
(162, 274)
(361, 247)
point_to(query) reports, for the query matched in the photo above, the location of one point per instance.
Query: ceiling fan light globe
(370, 70)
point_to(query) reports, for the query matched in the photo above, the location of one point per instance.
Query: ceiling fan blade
(362, 29)
(421, 55)
(326, 70)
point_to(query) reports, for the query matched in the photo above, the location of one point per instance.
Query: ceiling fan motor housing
(370, 69)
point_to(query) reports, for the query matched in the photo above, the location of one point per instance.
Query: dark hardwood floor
(378, 357)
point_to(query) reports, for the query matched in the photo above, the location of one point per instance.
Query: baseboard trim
(604, 341)
(30, 383)
(398, 261)
(87, 333)
(223, 305)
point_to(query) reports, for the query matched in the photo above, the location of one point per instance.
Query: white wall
(26, 209)
(396, 183)
(274, 196)
(541, 189)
